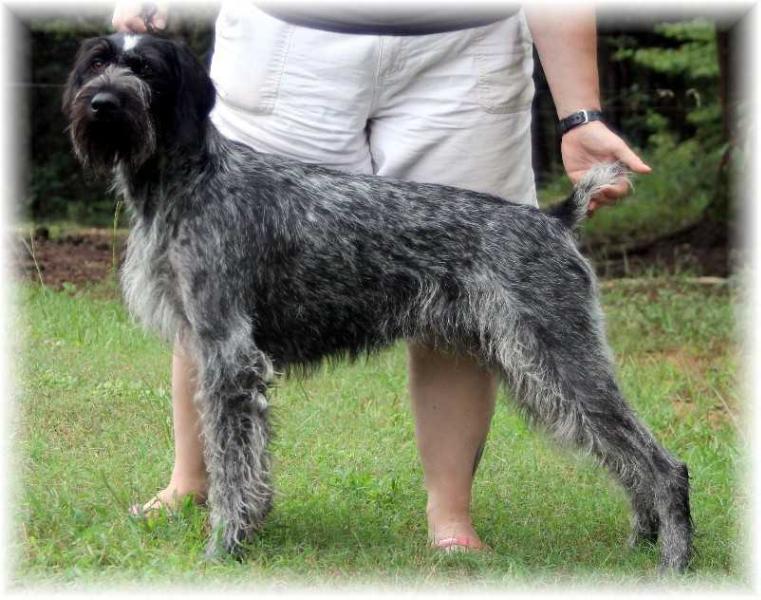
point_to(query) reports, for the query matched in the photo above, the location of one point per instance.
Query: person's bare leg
(189, 471)
(452, 402)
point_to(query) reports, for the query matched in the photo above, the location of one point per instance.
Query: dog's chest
(148, 280)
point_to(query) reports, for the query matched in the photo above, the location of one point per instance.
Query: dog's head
(129, 95)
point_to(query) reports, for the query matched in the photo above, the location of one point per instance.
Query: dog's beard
(128, 135)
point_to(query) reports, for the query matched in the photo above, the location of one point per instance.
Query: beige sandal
(155, 505)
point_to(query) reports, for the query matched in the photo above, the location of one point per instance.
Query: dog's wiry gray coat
(256, 263)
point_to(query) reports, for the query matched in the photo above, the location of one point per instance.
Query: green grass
(93, 435)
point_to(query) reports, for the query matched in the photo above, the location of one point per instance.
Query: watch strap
(580, 117)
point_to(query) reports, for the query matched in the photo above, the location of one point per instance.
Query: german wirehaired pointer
(259, 264)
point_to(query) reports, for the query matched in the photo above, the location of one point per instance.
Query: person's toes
(455, 536)
(459, 544)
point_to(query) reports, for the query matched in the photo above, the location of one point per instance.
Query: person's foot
(171, 498)
(453, 534)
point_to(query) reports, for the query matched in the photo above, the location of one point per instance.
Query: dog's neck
(166, 177)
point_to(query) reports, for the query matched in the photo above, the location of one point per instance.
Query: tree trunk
(713, 227)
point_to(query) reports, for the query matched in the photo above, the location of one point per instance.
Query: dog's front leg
(233, 407)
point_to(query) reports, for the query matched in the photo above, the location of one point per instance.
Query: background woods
(666, 88)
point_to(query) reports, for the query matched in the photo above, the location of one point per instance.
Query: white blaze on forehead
(130, 41)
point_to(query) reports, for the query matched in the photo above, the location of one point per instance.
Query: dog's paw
(673, 565)
(219, 551)
(644, 532)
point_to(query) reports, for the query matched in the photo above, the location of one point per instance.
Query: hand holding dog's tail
(573, 210)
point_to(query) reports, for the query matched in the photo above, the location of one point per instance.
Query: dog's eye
(98, 64)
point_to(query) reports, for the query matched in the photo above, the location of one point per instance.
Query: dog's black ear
(195, 95)
(75, 76)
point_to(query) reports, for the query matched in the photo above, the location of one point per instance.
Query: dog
(257, 264)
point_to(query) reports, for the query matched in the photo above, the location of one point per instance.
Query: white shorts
(451, 108)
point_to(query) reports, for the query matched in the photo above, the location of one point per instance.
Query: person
(420, 94)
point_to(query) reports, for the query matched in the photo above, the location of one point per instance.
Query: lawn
(93, 435)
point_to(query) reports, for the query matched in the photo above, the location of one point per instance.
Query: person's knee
(430, 366)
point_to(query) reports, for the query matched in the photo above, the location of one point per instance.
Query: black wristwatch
(578, 118)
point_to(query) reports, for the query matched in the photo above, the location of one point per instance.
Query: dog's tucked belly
(295, 333)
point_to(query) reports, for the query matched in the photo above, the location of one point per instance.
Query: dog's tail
(573, 210)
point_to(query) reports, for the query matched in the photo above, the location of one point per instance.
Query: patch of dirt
(80, 258)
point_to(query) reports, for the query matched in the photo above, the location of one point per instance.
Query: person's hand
(592, 143)
(139, 17)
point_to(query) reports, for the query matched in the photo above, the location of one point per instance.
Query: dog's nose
(104, 102)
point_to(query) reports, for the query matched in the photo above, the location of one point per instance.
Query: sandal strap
(450, 542)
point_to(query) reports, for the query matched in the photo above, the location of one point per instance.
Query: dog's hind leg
(560, 372)
(233, 406)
